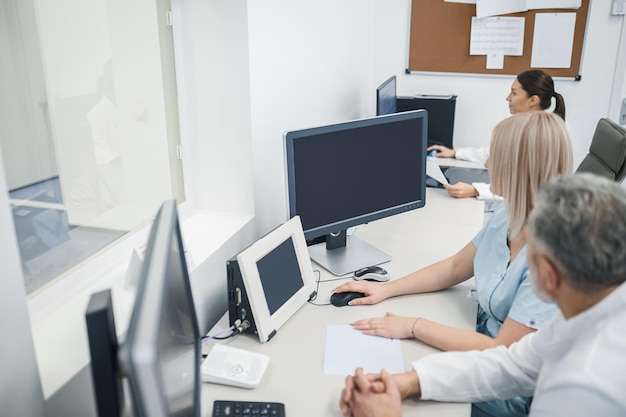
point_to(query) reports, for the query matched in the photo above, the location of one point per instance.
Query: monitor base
(355, 255)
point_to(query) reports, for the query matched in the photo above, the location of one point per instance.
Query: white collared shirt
(574, 367)
(479, 154)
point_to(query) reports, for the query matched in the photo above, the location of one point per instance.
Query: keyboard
(247, 409)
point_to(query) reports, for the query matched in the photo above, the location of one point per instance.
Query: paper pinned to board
(434, 171)
(485, 8)
(553, 4)
(504, 35)
(495, 60)
(553, 40)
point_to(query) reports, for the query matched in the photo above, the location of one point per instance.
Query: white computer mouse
(371, 273)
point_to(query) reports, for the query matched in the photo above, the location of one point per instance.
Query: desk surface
(414, 239)
(453, 162)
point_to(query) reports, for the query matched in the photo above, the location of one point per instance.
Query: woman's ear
(534, 101)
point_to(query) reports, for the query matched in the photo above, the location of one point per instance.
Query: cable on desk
(235, 332)
(238, 328)
(314, 295)
(221, 332)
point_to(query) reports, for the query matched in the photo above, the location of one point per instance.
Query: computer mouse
(371, 273)
(340, 299)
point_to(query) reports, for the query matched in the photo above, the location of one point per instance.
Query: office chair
(607, 152)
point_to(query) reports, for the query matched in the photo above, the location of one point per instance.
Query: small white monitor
(278, 276)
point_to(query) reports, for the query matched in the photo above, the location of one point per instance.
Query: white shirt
(477, 155)
(574, 367)
(484, 191)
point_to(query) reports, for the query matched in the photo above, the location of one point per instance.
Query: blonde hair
(527, 149)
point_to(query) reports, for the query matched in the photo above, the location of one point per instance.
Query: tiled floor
(48, 244)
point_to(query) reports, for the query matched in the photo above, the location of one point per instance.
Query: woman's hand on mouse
(389, 326)
(442, 151)
(374, 292)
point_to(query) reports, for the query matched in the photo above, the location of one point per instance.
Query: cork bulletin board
(440, 40)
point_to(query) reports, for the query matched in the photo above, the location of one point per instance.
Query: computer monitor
(386, 97)
(350, 173)
(106, 374)
(441, 111)
(161, 354)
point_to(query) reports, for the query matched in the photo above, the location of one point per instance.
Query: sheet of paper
(553, 4)
(495, 60)
(348, 349)
(486, 8)
(434, 171)
(553, 40)
(501, 35)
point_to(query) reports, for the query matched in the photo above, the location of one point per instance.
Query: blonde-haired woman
(527, 149)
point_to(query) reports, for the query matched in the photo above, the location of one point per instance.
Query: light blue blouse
(504, 290)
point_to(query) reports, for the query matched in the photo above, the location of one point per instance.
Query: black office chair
(607, 152)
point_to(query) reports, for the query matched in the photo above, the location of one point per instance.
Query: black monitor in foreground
(386, 97)
(161, 353)
(346, 174)
(103, 346)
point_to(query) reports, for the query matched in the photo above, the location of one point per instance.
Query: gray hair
(580, 220)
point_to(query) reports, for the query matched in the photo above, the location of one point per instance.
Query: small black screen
(280, 275)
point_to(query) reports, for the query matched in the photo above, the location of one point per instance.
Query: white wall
(619, 84)
(211, 49)
(310, 64)
(252, 71)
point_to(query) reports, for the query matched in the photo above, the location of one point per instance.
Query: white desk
(414, 239)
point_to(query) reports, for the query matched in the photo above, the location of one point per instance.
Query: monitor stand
(355, 254)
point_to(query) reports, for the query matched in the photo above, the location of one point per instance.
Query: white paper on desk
(348, 349)
(504, 35)
(434, 171)
(553, 40)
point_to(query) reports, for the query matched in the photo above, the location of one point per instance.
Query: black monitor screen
(162, 349)
(386, 97)
(354, 172)
(280, 275)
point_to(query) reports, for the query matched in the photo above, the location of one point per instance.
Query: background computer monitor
(440, 108)
(441, 111)
(386, 97)
(350, 173)
(161, 354)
